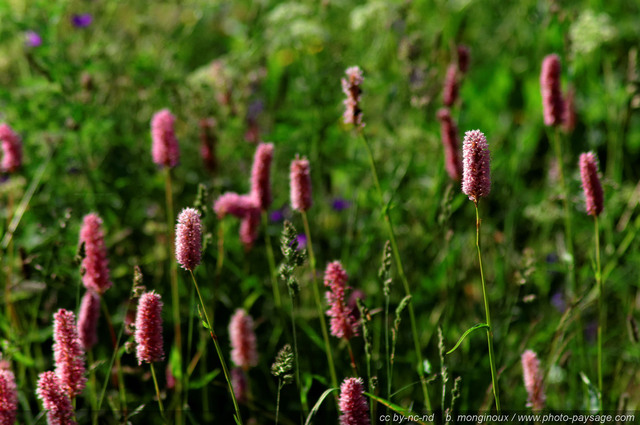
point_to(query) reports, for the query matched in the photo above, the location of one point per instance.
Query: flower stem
(316, 293)
(272, 263)
(278, 400)
(403, 277)
(155, 383)
(600, 309)
(215, 342)
(492, 359)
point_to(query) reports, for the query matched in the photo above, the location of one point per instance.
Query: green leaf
(464, 335)
(203, 381)
(318, 404)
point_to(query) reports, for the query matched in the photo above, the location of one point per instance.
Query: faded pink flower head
(8, 397)
(476, 173)
(552, 101)
(234, 204)
(94, 267)
(244, 352)
(260, 175)
(55, 400)
(463, 58)
(591, 186)
(249, 228)
(343, 323)
(353, 404)
(569, 117)
(300, 181)
(88, 319)
(148, 333)
(450, 89)
(351, 87)
(189, 239)
(449, 134)
(164, 148)
(68, 353)
(11, 149)
(533, 380)
(239, 384)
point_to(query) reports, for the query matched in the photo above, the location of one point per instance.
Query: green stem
(305, 407)
(272, 263)
(492, 360)
(600, 310)
(220, 356)
(316, 293)
(278, 400)
(403, 277)
(386, 344)
(115, 341)
(155, 383)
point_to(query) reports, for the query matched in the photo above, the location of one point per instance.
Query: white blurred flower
(590, 31)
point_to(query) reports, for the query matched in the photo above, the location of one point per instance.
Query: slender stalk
(278, 400)
(386, 345)
(214, 337)
(272, 263)
(155, 383)
(119, 377)
(305, 407)
(316, 293)
(353, 360)
(175, 297)
(93, 395)
(600, 310)
(403, 277)
(492, 359)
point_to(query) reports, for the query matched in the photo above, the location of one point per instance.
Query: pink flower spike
(148, 333)
(533, 380)
(8, 397)
(569, 117)
(353, 404)
(591, 186)
(88, 319)
(234, 204)
(94, 268)
(450, 89)
(260, 175)
(189, 239)
(552, 101)
(239, 383)
(11, 149)
(343, 323)
(243, 340)
(476, 174)
(68, 353)
(449, 134)
(300, 182)
(164, 148)
(55, 400)
(463, 58)
(249, 228)
(351, 87)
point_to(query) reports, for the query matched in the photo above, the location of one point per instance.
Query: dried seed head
(260, 175)
(55, 400)
(552, 101)
(449, 134)
(351, 87)
(244, 352)
(353, 404)
(189, 239)
(88, 319)
(591, 186)
(68, 353)
(11, 149)
(476, 178)
(95, 266)
(300, 181)
(148, 334)
(533, 380)
(164, 149)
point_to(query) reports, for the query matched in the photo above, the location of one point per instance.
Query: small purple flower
(278, 215)
(302, 241)
(340, 204)
(557, 300)
(82, 21)
(32, 39)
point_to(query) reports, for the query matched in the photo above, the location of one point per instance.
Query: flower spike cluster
(189, 239)
(476, 178)
(261, 176)
(244, 352)
(95, 263)
(164, 148)
(343, 323)
(591, 186)
(552, 101)
(8, 397)
(351, 87)
(148, 333)
(88, 319)
(300, 182)
(54, 399)
(68, 353)
(533, 380)
(450, 142)
(450, 90)
(11, 149)
(353, 404)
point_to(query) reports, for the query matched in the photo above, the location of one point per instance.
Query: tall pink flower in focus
(533, 380)
(94, 267)
(552, 101)
(351, 87)
(300, 182)
(449, 134)
(148, 335)
(591, 186)
(11, 149)
(353, 404)
(260, 175)
(450, 89)
(476, 174)
(8, 397)
(88, 319)
(55, 400)
(68, 353)
(164, 148)
(189, 239)
(343, 323)
(244, 352)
